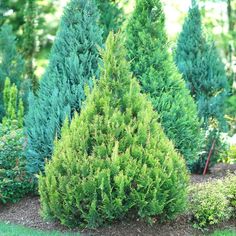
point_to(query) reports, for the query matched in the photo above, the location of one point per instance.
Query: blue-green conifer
(198, 60)
(73, 64)
(201, 66)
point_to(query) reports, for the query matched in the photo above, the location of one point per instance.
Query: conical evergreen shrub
(73, 64)
(13, 105)
(114, 158)
(152, 64)
(202, 68)
(198, 60)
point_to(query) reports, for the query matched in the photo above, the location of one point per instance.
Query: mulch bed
(26, 212)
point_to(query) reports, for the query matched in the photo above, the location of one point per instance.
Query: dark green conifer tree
(153, 65)
(11, 63)
(29, 42)
(201, 66)
(73, 64)
(114, 158)
(111, 16)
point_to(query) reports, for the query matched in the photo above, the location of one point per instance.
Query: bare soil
(27, 213)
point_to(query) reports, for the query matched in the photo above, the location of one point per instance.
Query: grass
(224, 233)
(13, 230)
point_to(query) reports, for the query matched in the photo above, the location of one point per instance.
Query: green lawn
(12, 230)
(224, 233)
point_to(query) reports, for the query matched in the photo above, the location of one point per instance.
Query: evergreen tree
(29, 42)
(111, 16)
(199, 62)
(73, 64)
(114, 158)
(13, 104)
(11, 63)
(16, 19)
(152, 64)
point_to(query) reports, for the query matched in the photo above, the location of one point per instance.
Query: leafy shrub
(213, 202)
(230, 191)
(114, 157)
(231, 106)
(231, 155)
(14, 181)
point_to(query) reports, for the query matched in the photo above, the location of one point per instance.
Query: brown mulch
(217, 172)
(26, 212)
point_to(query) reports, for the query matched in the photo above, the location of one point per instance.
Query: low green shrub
(213, 202)
(114, 158)
(14, 182)
(231, 155)
(230, 191)
(209, 204)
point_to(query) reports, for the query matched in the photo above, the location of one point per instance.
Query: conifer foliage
(154, 67)
(114, 157)
(29, 42)
(13, 104)
(11, 63)
(199, 62)
(73, 64)
(111, 16)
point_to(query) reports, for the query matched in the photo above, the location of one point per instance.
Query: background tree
(202, 69)
(111, 16)
(13, 104)
(198, 60)
(11, 62)
(152, 64)
(30, 41)
(73, 63)
(115, 155)
(12, 12)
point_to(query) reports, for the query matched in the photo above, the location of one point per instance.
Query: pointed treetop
(194, 3)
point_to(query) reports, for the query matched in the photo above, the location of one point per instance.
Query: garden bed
(26, 212)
